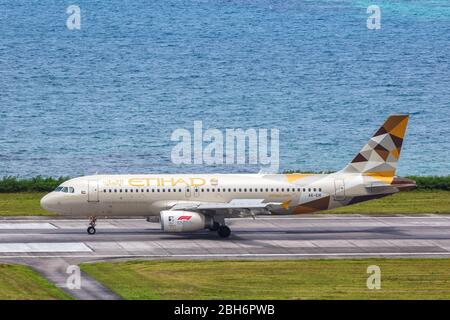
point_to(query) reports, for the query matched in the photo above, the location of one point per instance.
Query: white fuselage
(117, 195)
(189, 202)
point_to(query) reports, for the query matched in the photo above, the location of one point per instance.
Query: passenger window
(245, 189)
(304, 189)
(168, 190)
(163, 190)
(320, 189)
(126, 190)
(120, 190)
(115, 190)
(282, 189)
(314, 189)
(240, 190)
(309, 189)
(212, 190)
(104, 190)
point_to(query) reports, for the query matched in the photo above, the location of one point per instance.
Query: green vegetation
(22, 204)
(433, 201)
(432, 182)
(277, 279)
(423, 182)
(36, 184)
(21, 283)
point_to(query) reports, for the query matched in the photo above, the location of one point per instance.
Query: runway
(50, 245)
(306, 236)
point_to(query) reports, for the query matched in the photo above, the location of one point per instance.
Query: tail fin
(380, 155)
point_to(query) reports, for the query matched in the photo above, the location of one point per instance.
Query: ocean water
(107, 98)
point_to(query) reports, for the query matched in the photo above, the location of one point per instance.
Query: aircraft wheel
(215, 226)
(224, 231)
(91, 230)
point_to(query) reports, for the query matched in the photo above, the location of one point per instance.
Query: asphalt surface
(50, 246)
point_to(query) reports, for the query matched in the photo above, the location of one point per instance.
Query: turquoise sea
(107, 97)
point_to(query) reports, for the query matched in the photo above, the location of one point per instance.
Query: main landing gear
(218, 224)
(224, 231)
(215, 226)
(92, 223)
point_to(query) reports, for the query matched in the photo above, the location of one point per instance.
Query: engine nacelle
(184, 221)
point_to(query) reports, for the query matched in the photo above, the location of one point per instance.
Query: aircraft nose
(48, 202)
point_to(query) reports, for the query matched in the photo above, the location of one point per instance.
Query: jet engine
(184, 221)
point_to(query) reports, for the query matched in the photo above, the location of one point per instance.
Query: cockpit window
(64, 189)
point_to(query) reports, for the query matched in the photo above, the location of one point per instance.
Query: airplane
(193, 202)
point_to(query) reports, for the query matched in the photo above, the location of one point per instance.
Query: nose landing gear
(92, 223)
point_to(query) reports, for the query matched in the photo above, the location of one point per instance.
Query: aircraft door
(93, 191)
(196, 192)
(339, 190)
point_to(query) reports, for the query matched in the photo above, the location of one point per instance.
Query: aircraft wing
(233, 204)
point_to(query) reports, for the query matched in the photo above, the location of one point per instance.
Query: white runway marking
(352, 217)
(243, 255)
(43, 247)
(321, 217)
(24, 225)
